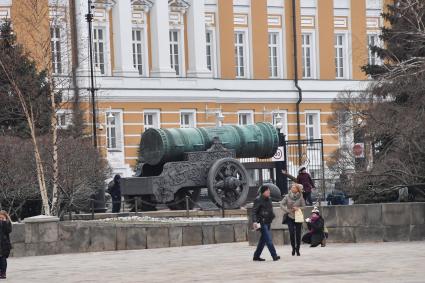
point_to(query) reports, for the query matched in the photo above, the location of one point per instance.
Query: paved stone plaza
(374, 262)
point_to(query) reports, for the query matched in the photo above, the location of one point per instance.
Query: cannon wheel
(180, 197)
(228, 184)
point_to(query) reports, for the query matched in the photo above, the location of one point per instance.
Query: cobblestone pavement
(374, 262)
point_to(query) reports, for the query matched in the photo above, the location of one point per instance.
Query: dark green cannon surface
(159, 146)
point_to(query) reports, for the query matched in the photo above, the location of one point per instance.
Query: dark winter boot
(2, 275)
(293, 251)
(298, 251)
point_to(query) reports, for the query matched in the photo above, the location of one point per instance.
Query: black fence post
(136, 202)
(92, 209)
(187, 206)
(222, 207)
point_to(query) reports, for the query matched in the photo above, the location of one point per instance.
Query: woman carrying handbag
(293, 215)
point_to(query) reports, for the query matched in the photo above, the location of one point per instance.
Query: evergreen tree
(399, 38)
(392, 112)
(32, 82)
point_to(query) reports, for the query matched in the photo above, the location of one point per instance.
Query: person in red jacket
(304, 179)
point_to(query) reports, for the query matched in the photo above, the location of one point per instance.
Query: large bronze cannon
(176, 163)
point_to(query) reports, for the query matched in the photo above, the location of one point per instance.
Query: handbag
(285, 218)
(299, 216)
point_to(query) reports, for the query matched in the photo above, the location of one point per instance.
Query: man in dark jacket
(262, 217)
(115, 192)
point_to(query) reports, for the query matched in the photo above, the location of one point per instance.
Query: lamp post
(92, 89)
(281, 179)
(219, 118)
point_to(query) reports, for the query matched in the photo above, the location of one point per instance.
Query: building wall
(259, 81)
(30, 20)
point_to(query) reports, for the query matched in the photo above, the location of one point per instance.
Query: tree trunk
(38, 161)
(55, 167)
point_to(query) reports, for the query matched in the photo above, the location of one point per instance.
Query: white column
(196, 40)
(122, 38)
(160, 41)
(81, 9)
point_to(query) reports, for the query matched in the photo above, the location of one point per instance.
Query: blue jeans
(3, 264)
(266, 239)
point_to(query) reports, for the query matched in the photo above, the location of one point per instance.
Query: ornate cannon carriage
(176, 163)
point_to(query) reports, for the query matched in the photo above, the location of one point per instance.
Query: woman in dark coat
(316, 226)
(5, 246)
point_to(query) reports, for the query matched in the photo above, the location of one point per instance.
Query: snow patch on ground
(147, 219)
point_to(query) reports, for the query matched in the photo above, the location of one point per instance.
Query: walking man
(262, 217)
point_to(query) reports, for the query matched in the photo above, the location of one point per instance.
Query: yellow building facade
(200, 63)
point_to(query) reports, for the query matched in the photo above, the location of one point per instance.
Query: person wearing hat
(292, 202)
(304, 179)
(262, 217)
(316, 226)
(115, 191)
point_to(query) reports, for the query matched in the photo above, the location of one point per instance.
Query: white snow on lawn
(168, 220)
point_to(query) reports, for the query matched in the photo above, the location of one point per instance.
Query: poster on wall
(358, 150)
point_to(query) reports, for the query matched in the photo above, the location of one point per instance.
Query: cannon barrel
(164, 145)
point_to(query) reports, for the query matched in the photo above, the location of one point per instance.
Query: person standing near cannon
(304, 179)
(262, 217)
(115, 191)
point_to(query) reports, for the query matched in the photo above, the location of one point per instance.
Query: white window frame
(317, 132)
(142, 42)
(212, 44)
(284, 115)
(278, 53)
(346, 61)
(192, 113)
(377, 43)
(181, 50)
(156, 119)
(346, 140)
(54, 43)
(250, 114)
(312, 46)
(119, 136)
(246, 58)
(57, 20)
(67, 116)
(106, 53)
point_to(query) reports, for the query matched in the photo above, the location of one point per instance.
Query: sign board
(279, 155)
(358, 150)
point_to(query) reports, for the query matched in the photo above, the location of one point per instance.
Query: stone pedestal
(41, 235)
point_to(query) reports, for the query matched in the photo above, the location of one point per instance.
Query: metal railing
(138, 206)
(312, 157)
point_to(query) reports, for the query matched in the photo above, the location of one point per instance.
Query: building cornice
(178, 5)
(144, 5)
